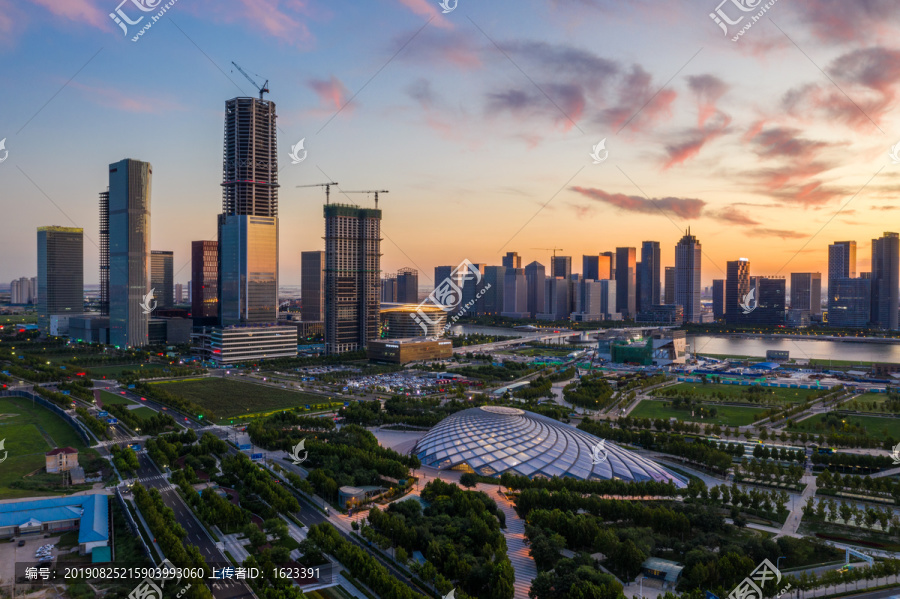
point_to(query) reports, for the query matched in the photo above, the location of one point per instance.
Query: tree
(468, 480)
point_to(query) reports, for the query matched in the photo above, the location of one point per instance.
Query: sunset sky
(480, 122)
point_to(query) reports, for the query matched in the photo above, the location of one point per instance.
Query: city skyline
(476, 136)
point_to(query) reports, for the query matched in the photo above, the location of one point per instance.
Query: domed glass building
(491, 440)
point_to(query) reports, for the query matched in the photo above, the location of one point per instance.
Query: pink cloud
(708, 89)
(689, 208)
(82, 11)
(425, 8)
(114, 98)
(331, 92)
(681, 152)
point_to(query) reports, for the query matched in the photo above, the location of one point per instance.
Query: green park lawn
(876, 427)
(738, 392)
(229, 398)
(726, 416)
(30, 432)
(18, 319)
(112, 398)
(111, 372)
(143, 412)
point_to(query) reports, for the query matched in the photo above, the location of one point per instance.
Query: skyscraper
(841, 265)
(561, 266)
(408, 286)
(611, 257)
(885, 281)
(590, 267)
(104, 252)
(512, 260)
(670, 286)
(179, 293)
(650, 274)
(389, 288)
(806, 292)
(626, 281)
(515, 294)
(770, 301)
(737, 287)
(688, 253)
(849, 302)
(248, 225)
(718, 297)
(161, 277)
(205, 281)
(495, 276)
(60, 278)
(535, 275)
(312, 286)
(129, 251)
(352, 277)
(557, 298)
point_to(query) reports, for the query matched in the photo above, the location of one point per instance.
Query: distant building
(590, 267)
(557, 300)
(670, 314)
(89, 329)
(515, 294)
(849, 302)
(389, 289)
(512, 260)
(589, 300)
(535, 276)
(162, 268)
(493, 298)
(885, 281)
(841, 265)
(60, 279)
(660, 348)
(242, 344)
(397, 323)
(61, 459)
(737, 288)
(806, 292)
(771, 301)
(402, 351)
(352, 277)
(670, 285)
(688, 254)
(408, 286)
(205, 282)
(718, 298)
(127, 212)
(561, 266)
(611, 256)
(179, 293)
(626, 281)
(22, 291)
(650, 276)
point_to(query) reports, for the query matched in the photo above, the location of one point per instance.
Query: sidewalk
(518, 552)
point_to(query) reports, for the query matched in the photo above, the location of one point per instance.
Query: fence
(53, 408)
(134, 525)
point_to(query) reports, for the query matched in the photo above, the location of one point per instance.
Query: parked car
(21, 543)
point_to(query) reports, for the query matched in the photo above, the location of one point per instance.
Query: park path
(518, 552)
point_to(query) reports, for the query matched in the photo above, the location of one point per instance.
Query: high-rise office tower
(515, 294)
(770, 301)
(718, 297)
(688, 253)
(60, 278)
(408, 286)
(352, 277)
(129, 252)
(842, 260)
(441, 273)
(535, 275)
(470, 288)
(561, 266)
(737, 287)
(104, 253)
(204, 281)
(849, 302)
(23, 291)
(248, 225)
(590, 267)
(611, 256)
(512, 260)
(312, 286)
(495, 276)
(557, 298)
(670, 286)
(179, 293)
(806, 292)
(638, 275)
(885, 281)
(650, 275)
(626, 281)
(161, 277)
(389, 288)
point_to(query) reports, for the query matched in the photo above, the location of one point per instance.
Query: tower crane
(264, 89)
(327, 187)
(554, 250)
(371, 191)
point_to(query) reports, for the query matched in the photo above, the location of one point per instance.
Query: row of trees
(97, 426)
(239, 471)
(151, 425)
(165, 449)
(828, 510)
(615, 487)
(125, 459)
(856, 461)
(834, 429)
(769, 472)
(768, 504)
(593, 391)
(784, 454)
(854, 483)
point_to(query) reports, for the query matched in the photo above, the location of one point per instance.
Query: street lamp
(778, 561)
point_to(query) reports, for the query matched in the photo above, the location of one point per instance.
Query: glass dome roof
(492, 440)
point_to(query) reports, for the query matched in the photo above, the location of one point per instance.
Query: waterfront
(856, 351)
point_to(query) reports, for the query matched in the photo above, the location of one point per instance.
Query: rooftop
(92, 510)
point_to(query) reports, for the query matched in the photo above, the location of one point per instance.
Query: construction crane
(554, 250)
(371, 191)
(262, 90)
(327, 187)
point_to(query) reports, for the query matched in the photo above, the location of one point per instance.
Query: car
(143, 399)
(165, 408)
(21, 543)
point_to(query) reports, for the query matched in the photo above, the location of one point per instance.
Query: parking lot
(411, 383)
(11, 553)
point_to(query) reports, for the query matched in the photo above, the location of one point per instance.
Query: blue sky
(479, 122)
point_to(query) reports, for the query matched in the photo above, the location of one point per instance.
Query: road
(150, 476)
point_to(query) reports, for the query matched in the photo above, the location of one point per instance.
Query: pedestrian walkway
(792, 523)
(518, 552)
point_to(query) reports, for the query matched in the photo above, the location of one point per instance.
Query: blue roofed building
(88, 514)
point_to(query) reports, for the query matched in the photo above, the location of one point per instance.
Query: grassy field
(110, 372)
(111, 398)
(18, 319)
(876, 427)
(143, 412)
(734, 392)
(726, 416)
(229, 398)
(29, 434)
(539, 351)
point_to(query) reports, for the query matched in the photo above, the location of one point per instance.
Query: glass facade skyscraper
(688, 253)
(650, 274)
(129, 252)
(885, 281)
(161, 279)
(312, 286)
(60, 279)
(204, 281)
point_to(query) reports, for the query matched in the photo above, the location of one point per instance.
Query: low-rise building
(61, 459)
(238, 344)
(401, 351)
(88, 514)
